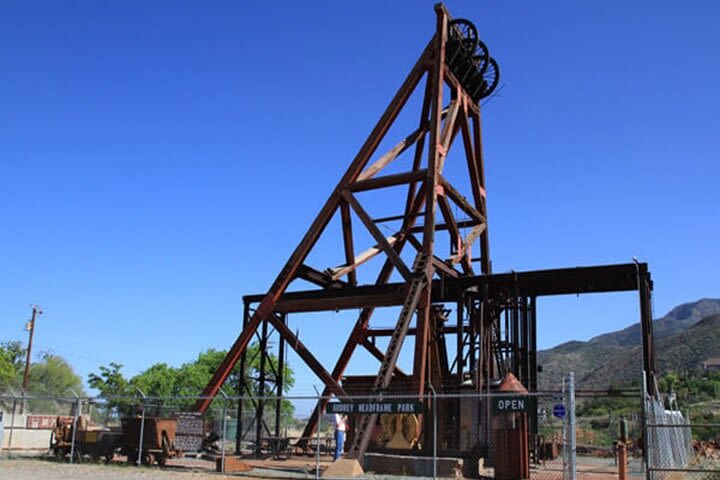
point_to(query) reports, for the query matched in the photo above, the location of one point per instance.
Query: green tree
(113, 386)
(668, 382)
(53, 375)
(111, 382)
(12, 357)
(160, 380)
(7, 372)
(187, 380)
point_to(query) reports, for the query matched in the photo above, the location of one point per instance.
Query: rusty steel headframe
(496, 323)
(426, 187)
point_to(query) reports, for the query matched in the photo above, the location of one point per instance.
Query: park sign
(513, 404)
(391, 406)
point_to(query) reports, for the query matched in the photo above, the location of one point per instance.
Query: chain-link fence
(680, 447)
(445, 435)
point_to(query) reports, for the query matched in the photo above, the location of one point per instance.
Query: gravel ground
(26, 469)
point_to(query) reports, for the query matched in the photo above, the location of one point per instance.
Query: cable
(494, 94)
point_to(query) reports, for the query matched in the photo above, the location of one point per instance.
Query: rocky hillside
(684, 337)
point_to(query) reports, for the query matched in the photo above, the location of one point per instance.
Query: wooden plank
(461, 201)
(463, 253)
(388, 180)
(379, 237)
(394, 152)
(371, 252)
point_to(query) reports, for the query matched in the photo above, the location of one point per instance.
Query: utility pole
(31, 328)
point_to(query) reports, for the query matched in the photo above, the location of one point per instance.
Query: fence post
(571, 473)
(75, 422)
(319, 427)
(645, 429)
(2, 429)
(434, 415)
(142, 428)
(12, 423)
(224, 428)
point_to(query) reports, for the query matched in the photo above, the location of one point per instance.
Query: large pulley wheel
(477, 65)
(464, 32)
(462, 41)
(491, 77)
(481, 57)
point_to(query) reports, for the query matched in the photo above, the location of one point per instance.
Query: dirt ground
(190, 469)
(177, 469)
(26, 469)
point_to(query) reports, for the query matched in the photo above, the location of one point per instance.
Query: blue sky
(158, 160)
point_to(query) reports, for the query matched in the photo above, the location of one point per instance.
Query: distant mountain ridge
(684, 337)
(681, 352)
(676, 321)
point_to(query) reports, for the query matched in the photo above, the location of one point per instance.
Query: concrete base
(232, 465)
(343, 468)
(384, 464)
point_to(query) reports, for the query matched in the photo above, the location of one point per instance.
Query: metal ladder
(497, 347)
(363, 429)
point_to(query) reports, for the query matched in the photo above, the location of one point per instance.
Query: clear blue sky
(158, 160)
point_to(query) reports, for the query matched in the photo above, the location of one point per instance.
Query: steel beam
(294, 342)
(563, 281)
(348, 241)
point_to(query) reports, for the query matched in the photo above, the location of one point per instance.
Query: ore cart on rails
(90, 441)
(158, 439)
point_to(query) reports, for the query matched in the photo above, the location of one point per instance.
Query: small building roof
(712, 362)
(511, 384)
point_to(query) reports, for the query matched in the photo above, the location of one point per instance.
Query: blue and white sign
(559, 410)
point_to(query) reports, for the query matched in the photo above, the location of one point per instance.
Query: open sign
(512, 404)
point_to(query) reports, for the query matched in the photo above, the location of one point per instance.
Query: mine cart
(90, 441)
(158, 439)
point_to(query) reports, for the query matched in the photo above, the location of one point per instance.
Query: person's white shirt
(340, 424)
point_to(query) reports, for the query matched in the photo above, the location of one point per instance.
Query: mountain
(676, 321)
(684, 351)
(684, 337)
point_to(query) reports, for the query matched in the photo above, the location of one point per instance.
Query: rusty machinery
(494, 325)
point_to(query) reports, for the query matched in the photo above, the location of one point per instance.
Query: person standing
(340, 428)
